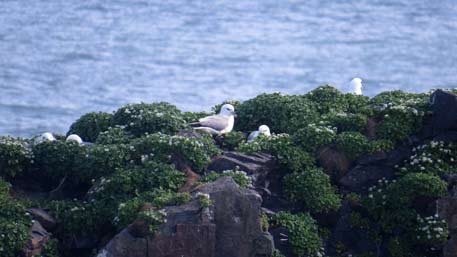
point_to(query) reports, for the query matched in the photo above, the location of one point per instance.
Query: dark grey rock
(237, 215)
(360, 178)
(444, 106)
(264, 171)
(230, 227)
(38, 238)
(46, 220)
(258, 165)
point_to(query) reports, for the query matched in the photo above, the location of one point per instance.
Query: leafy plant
(240, 177)
(141, 119)
(282, 113)
(312, 190)
(90, 125)
(303, 232)
(15, 156)
(15, 224)
(313, 136)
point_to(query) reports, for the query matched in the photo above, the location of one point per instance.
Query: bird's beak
(234, 114)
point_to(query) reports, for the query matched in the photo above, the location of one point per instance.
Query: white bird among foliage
(263, 130)
(75, 138)
(217, 124)
(47, 136)
(356, 86)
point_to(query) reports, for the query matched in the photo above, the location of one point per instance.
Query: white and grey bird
(217, 124)
(75, 138)
(47, 136)
(356, 86)
(263, 130)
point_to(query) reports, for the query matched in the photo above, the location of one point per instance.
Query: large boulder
(444, 106)
(230, 227)
(335, 163)
(372, 168)
(45, 219)
(237, 215)
(258, 166)
(38, 238)
(264, 171)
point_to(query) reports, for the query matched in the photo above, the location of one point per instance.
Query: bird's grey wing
(216, 122)
(253, 135)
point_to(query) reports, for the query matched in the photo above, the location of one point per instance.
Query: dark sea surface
(62, 58)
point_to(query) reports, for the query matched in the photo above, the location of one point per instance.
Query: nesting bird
(356, 86)
(263, 130)
(45, 137)
(217, 124)
(75, 138)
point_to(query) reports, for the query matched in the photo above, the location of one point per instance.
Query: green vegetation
(240, 177)
(90, 125)
(232, 140)
(134, 170)
(15, 156)
(141, 119)
(311, 189)
(303, 233)
(15, 223)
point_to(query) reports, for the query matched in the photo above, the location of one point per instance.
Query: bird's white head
(228, 110)
(47, 137)
(264, 130)
(75, 138)
(356, 86)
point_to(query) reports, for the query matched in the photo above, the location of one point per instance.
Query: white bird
(263, 130)
(44, 137)
(75, 138)
(217, 124)
(356, 86)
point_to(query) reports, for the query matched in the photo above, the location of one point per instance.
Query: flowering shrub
(282, 113)
(15, 156)
(232, 140)
(141, 119)
(312, 190)
(205, 200)
(240, 177)
(15, 224)
(431, 231)
(313, 136)
(90, 125)
(154, 218)
(101, 160)
(353, 144)
(128, 210)
(348, 122)
(436, 158)
(391, 202)
(113, 136)
(291, 157)
(160, 147)
(401, 113)
(57, 159)
(303, 233)
(83, 218)
(128, 182)
(327, 99)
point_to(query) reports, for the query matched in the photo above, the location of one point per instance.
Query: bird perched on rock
(263, 130)
(44, 137)
(217, 124)
(356, 86)
(75, 138)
